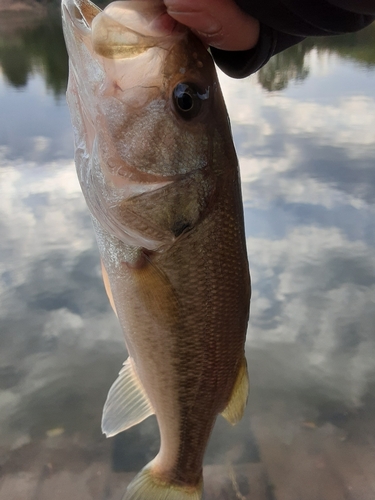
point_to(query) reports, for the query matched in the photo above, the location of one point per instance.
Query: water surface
(304, 129)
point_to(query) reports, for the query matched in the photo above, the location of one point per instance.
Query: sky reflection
(307, 164)
(34, 125)
(307, 154)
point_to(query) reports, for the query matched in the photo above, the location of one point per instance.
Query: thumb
(219, 23)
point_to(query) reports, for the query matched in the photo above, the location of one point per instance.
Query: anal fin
(235, 408)
(127, 403)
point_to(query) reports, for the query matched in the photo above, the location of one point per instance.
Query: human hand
(219, 23)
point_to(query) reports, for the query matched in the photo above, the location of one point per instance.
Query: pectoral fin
(127, 402)
(237, 403)
(107, 287)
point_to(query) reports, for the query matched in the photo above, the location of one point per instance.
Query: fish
(159, 172)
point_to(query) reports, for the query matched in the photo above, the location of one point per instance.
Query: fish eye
(188, 100)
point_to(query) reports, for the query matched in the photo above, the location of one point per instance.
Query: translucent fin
(107, 287)
(127, 403)
(237, 403)
(145, 486)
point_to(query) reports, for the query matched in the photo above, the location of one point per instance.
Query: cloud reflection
(308, 185)
(309, 191)
(32, 125)
(316, 290)
(54, 313)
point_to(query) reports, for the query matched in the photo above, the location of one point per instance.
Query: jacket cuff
(239, 64)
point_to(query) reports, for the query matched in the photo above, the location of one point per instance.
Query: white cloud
(320, 293)
(321, 62)
(39, 210)
(349, 123)
(41, 143)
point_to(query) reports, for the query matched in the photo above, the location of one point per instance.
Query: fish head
(145, 101)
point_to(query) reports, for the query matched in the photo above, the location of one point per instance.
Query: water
(304, 128)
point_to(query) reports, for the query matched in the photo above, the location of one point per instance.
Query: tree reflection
(35, 46)
(358, 47)
(284, 67)
(290, 65)
(16, 65)
(46, 48)
(38, 46)
(33, 42)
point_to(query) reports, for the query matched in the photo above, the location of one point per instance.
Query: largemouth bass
(158, 169)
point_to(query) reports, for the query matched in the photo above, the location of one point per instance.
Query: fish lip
(70, 8)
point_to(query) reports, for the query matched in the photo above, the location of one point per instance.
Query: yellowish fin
(107, 287)
(127, 403)
(146, 486)
(237, 403)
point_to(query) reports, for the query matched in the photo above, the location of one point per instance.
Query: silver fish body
(158, 170)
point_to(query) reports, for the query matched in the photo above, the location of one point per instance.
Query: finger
(219, 23)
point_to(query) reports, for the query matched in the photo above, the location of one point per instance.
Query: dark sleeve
(284, 23)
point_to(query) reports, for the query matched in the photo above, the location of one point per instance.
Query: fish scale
(157, 166)
(208, 333)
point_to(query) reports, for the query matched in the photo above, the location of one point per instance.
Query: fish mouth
(124, 28)
(80, 13)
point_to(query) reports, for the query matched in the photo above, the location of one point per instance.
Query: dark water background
(304, 128)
